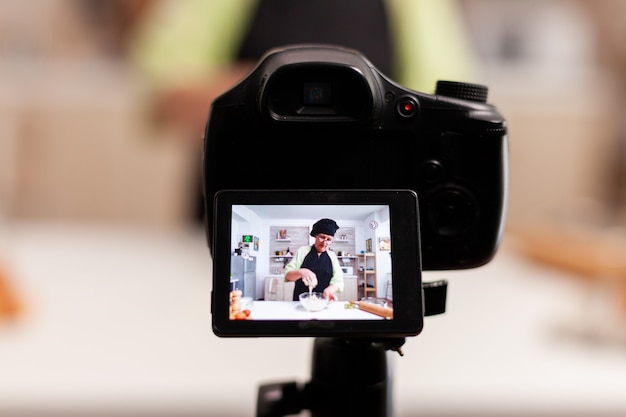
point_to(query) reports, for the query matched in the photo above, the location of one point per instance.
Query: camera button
(407, 107)
(432, 171)
(451, 212)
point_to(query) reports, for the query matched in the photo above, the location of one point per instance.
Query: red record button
(407, 107)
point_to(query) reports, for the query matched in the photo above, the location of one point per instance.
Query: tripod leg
(349, 378)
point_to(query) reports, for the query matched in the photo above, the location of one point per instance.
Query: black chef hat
(325, 226)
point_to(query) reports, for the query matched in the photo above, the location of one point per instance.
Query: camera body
(323, 117)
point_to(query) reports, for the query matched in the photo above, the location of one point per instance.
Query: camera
(317, 147)
(317, 132)
(312, 117)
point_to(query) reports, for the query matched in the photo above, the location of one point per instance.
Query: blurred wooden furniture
(10, 305)
(585, 252)
(78, 144)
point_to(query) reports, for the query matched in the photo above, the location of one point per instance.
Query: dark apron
(359, 24)
(321, 266)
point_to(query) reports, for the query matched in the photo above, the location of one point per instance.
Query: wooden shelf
(367, 261)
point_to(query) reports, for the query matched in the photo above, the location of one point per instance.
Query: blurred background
(105, 277)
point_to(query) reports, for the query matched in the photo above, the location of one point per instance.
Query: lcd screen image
(311, 262)
(314, 263)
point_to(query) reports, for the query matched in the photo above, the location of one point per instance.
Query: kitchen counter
(292, 310)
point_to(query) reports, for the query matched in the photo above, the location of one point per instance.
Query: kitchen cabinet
(288, 290)
(273, 288)
(277, 289)
(350, 289)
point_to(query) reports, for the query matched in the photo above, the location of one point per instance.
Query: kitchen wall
(281, 248)
(564, 103)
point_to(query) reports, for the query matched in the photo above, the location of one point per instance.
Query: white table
(292, 310)
(118, 322)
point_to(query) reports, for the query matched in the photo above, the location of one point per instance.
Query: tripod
(349, 377)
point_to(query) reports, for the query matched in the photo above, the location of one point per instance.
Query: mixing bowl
(314, 301)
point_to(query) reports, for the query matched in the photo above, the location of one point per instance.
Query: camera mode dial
(463, 91)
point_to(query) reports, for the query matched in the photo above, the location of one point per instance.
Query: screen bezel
(405, 261)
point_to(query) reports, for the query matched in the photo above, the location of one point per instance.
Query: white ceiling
(344, 212)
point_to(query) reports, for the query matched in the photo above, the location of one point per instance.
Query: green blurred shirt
(179, 41)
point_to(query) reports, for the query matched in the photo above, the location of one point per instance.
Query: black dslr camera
(323, 117)
(317, 131)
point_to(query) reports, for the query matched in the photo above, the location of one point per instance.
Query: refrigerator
(243, 275)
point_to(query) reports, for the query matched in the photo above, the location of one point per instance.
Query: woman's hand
(330, 292)
(308, 277)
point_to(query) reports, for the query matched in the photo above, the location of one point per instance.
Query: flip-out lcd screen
(315, 263)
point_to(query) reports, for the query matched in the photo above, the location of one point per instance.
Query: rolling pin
(379, 310)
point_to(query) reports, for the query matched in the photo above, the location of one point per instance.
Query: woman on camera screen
(315, 268)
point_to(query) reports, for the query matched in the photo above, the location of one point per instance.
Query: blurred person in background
(192, 51)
